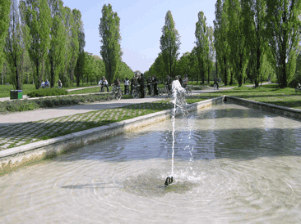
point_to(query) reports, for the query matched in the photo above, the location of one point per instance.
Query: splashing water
(179, 103)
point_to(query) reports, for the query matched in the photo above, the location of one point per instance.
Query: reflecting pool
(232, 165)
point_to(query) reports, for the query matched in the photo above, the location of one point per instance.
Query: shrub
(47, 92)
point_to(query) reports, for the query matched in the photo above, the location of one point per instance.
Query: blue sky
(140, 25)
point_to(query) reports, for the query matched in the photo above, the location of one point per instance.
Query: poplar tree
(109, 30)
(58, 41)
(15, 46)
(202, 45)
(211, 50)
(38, 19)
(221, 26)
(4, 24)
(74, 42)
(78, 71)
(237, 39)
(283, 31)
(65, 78)
(255, 12)
(169, 44)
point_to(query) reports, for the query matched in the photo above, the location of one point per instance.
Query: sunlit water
(232, 165)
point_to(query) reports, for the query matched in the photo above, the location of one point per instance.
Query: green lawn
(267, 94)
(5, 89)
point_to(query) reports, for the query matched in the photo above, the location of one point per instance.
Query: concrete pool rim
(14, 158)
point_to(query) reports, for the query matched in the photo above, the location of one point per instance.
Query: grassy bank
(272, 94)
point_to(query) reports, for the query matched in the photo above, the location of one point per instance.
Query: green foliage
(38, 19)
(221, 26)
(15, 47)
(169, 44)
(283, 32)
(47, 92)
(202, 45)
(109, 30)
(236, 36)
(4, 24)
(57, 49)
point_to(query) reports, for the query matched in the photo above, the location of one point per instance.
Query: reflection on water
(232, 164)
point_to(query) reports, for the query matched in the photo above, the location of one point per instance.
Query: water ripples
(232, 164)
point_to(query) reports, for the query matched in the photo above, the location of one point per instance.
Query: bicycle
(168, 91)
(135, 92)
(117, 92)
(188, 90)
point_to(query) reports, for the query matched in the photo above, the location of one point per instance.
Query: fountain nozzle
(168, 181)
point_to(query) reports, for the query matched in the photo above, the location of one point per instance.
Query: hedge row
(47, 92)
(24, 105)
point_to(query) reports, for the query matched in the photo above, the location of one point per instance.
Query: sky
(141, 23)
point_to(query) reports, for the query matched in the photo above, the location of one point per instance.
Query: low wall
(283, 111)
(11, 159)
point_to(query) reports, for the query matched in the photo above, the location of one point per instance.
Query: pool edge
(14, 158)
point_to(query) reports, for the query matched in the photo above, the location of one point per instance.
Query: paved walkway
(41, 114)
(21, 128)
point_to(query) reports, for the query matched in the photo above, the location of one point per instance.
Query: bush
(47, 92)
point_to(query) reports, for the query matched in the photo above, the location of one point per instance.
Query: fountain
(178, 100)
(246, 169)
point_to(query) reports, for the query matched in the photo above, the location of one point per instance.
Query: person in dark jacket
(168, 82)
(142, 85)
(149, 82)
(180, 80)
(155, 84)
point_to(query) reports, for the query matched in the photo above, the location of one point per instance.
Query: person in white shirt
(176, 88)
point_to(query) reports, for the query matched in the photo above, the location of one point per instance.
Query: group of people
(138, 81)
(47, 84)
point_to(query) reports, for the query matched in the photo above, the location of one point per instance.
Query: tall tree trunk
(51, 72)
(225, 72)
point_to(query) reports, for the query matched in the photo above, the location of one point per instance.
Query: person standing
(155, 85)
(185, 81)
(168, 83)
(180, 80)
(126, 86)
(149, 82)
(216, 83)
(142, 85)
(105, 84)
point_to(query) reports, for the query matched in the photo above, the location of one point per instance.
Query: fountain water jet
(178, 100)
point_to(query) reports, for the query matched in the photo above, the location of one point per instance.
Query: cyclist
(116, 86)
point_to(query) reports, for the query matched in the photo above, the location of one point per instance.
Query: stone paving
(24, 133)
(21, 128)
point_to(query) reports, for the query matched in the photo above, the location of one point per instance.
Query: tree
(38, 19)
(15, 46)
(202, 45)
(74, 42)
(4, 24)
(58, 41)
(221, 26)
(237, 39)
(255, 13)
(211, 51)
(109, 30)
(169, 44)
(78, 71)
(283, 32)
